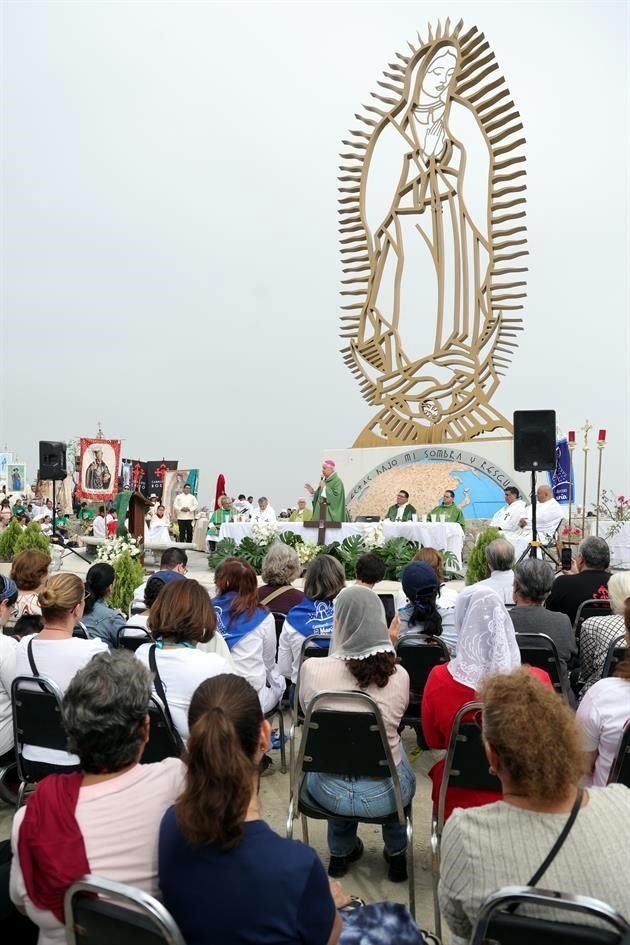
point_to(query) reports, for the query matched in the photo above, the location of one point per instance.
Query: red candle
(602, 436)
(571, 436)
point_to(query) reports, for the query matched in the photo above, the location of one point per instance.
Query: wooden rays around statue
(433, 235)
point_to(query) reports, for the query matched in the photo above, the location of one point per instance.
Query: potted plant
(478, 569)
(8, 540)
(129, 575)
(32, 539)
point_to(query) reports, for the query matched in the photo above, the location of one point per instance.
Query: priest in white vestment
(508, 518)
(549, 514)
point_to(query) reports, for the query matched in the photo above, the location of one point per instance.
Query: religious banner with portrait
(16, 477)
(98, 470)
(174, 483)
(5, 460)
(156, 471)
(133, 476)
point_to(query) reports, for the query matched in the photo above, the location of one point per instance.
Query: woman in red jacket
(486, 644)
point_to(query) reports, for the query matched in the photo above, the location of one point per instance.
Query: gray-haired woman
(363, 659)
(324, 579)
(280, 567)
(105, 818)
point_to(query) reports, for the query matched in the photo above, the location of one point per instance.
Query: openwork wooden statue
(433, 237)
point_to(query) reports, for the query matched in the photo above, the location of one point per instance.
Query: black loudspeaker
(52, 460)
(534, 440)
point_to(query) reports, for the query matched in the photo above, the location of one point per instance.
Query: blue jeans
(362, 797)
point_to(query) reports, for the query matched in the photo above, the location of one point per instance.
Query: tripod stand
(534, 545)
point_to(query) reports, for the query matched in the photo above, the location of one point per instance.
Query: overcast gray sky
(169, 255)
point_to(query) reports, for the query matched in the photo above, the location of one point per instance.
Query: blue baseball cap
(417, 578)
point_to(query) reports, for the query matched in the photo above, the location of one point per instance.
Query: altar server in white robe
(158, 531)
(508, 518)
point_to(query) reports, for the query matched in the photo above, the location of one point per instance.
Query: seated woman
(445, 601)
(181, 617)
(597, 633)
(214, 837)
(105, 818)
(324, 579)
(533, 743)
(421, 588)
(101, 621)
(280, 567)
(29, 570)
(486, 645)
(532, 584)
(603, 714)
(8, 650)
(248, 629)
(362, 658)
(54, 652)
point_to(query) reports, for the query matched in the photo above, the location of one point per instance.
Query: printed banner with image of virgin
(174, 482)
(98, 477)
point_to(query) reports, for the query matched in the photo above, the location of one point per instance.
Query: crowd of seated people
(212, 664)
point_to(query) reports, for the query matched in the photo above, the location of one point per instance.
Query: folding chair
(590, 608)
(616, 652)
(99, 912)
(312, 648)
(163, 742)
(136, 607)
(37, 722)
(278, 710)
(620, 768)
(538, 649)
(80, 631)
(131, 641)
(419, 654)
(347, 742)
(465, 766)
(496, 924)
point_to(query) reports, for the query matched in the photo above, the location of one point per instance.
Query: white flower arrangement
(306, 551)
(112, 548)
(264, 532)
(374, 536)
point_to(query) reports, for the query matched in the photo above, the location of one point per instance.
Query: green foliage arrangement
(129, 574)
(396, 553)
(478, 569)
(8, 540)
(226, 548)
(32, 539)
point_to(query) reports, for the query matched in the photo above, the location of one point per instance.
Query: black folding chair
(310, 649)
(136, 607)
(620, 768)
(538, 649)
(496, 924)
(465, 766)
(99, 912)
(126, 640)
(278, 711)
(164, 741)
(347, 742)
(590, 608)
(80, 631)
(616, 653)
(419, 654)
(37, 722)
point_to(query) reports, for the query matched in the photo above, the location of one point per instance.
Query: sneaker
(397, 866)
(338, 865)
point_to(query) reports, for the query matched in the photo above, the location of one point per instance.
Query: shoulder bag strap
(564, 833)
(31, 658)
(278, 591)
(544, 866)
(159, 688)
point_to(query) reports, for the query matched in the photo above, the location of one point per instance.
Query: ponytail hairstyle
(99, 577)
(224, 719)
(425, 612)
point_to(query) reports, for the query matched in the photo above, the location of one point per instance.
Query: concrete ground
(368, 877)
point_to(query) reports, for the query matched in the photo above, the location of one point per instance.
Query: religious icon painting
(5, 461)
(98, 477)
(16, 477)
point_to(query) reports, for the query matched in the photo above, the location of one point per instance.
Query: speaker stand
(534, 545)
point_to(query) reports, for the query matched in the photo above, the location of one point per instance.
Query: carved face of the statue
(439, 74)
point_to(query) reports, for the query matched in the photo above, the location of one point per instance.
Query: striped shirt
(486, 848)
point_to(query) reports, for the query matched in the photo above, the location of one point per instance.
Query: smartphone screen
(565, 559)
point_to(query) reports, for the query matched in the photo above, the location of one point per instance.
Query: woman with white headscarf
(486, 644)
(362, 659)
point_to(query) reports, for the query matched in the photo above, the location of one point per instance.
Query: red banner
(98, 476)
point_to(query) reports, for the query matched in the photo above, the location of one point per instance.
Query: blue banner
(561, 480)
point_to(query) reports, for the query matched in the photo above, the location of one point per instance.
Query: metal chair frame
(601, 606)
(137, 638)
(437, 816)
(278, 710)
(156, 709)
(619, 643)
(127, 899)
(527, 895)
(419, 641)
(46, 690)
(561, 683)
(405, 818)
(296, 719)
(622, 760)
